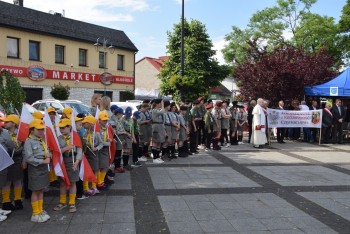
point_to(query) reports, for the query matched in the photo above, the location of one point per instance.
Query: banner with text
(294, 119)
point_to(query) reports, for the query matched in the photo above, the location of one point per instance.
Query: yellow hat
(103, 116)
(68, 111)
(11, 118)
(38, 115)
(89, 119)
(64, 123)
(51, 109)
(76, 119)
(37, 123)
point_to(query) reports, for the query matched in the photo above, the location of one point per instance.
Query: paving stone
(216, 226)
(200, 205)
(120, 217)
(86, 228)
(326, 157)
(207, 215)
(278, 224)
(184, 227)
(248, 224)
(44, 228)
(119, 228)
(87, 218)
(179, 216)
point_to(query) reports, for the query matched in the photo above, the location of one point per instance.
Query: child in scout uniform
(183, 132)
(67, 113)
(175, 129)
(71, 157)
(167, 125)
(158, 129)
(120, 131)
(9, 146)
(103, 154)
(37, 158)
(241, 120)
(233, 125)
(194, 124)
(129, 137)
(145, 131)
(93, 145)
(136, 148)
(209, 126)
(15, 171)
(216, 113)
(225, 122)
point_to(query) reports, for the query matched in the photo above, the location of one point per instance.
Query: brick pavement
(284, 188)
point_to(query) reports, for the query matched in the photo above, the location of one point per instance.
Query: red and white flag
(5, 159)
(113, 145)
(85, 172)
(23, 127)
(52, 143)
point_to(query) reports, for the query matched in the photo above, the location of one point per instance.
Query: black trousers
(280, 134)
(209, 137)
(136, 149)
(326, 133)
(233, 140)
(201, 132)
(337, 132)
(193, 141)
(223, 136)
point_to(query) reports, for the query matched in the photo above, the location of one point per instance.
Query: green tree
(11, 93)
(202, 70)
(288, 23)
(344, 32)
(60, 92)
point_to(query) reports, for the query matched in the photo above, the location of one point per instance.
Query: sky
(146, 22)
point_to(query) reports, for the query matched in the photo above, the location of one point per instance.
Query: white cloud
(218, 44)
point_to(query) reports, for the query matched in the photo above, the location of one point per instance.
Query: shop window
(102, 60)
(83, 57)
(12, 47)
(59, 54)
(108, 93)
(120, 61)
(34, 50)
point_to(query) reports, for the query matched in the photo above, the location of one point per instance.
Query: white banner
(294, 119)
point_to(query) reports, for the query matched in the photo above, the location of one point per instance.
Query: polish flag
(85, 172)
(5, 159)
(57, 158)
(23, 127)
(113, 145)
(57, 120)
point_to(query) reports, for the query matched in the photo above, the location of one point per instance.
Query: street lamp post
(182, 68)
(105, 48)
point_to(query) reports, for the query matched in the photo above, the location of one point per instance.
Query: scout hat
(218, 104)
(11, 118)
(89, 119)
(137, 114)
(37, 115)
(196, 102)
(119, 111)
(51, 109)
(200, 99)
(128, 112)
(76, 119)
(64, 123)
(209, 106)
(37, 123)
(68, 112)
(103, 115)
(113, 108)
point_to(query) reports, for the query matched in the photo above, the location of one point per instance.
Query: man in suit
(327, 119)
(313, 131)
(280, 131)
(250, 118)
(338, 112)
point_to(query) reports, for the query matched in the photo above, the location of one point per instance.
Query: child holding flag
(103, 154)
(15, 171)
(71, 156)
(37, 158)
(93, 145)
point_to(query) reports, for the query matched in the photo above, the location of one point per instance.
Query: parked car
(41, 105)
(80, 107)
(124, 105)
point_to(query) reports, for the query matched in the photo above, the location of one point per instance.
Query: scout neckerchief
(89, 138)
(130, 124)
(43, 144)
(104, 129)
(67, 139)
(14, 138)
(136, 126)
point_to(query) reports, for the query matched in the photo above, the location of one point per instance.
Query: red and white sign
(31, 73)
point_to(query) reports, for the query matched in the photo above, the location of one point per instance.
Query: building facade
(43, 49)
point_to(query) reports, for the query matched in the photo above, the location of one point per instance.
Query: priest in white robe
(259, 125)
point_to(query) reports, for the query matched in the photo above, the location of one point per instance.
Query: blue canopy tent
(338, 87)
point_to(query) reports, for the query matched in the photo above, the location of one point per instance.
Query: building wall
(146, 76)
(79, 90)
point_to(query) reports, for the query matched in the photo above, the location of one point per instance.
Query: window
(120, 62)
(105, 93)
(82, 57)
(59, 54)
(102, 60)
(34, 50)
(12, 47)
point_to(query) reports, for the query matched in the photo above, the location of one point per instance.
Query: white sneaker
(201, 147)
(37, 219)
(242, 143)
(3, 218)
(143, 159)
(227, 145)
(158, 161)
(5, 212)
(45, 216)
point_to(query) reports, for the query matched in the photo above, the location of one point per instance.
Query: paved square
(231, 213)
(326, 157)
(261, 157)
(337, 202)
(198, 177)
(302, 175)
(200, 158)
(124, 181)
(299, 146)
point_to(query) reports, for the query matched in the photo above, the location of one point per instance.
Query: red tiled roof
(156, 62)
(220, 90)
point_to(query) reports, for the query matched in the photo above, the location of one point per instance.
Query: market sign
(38, 73)
(106, 78)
